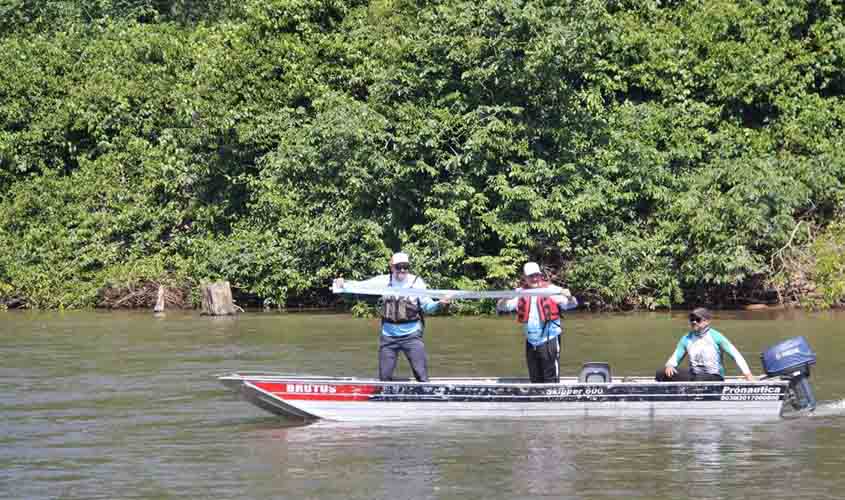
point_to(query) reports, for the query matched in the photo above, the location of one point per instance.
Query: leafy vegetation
(648, 153)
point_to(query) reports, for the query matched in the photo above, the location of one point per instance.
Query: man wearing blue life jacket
(705, 347)
(541, 319)
(402, 319)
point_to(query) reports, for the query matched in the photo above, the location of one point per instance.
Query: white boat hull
(367, 400)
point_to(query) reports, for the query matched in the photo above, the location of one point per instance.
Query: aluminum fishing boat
(594, 393)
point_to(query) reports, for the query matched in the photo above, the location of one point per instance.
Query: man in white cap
(402, 319)
(541, 318)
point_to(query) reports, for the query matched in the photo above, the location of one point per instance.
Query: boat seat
(595, 372)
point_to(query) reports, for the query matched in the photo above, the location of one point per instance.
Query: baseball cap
(531, 268)
(399, 258)
(702, 312)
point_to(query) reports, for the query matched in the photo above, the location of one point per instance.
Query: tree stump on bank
(217, 299)
(160, 302)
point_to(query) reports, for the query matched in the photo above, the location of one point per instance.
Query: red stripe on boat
(323, 392)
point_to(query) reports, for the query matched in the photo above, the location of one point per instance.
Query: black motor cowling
(792, 359)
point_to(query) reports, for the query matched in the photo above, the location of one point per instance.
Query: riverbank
(145, 301)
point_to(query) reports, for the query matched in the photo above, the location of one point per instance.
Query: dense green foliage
(649, 153)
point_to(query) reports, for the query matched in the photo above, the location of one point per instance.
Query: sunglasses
(535, 276)
(402, 267)
(696, 319)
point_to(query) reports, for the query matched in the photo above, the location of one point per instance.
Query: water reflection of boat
(592, 394)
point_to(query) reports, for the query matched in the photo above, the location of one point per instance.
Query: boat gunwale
(487, 381)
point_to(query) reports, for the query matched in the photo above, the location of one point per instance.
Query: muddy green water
(125, 405)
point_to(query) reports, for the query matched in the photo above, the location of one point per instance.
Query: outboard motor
(791, 359)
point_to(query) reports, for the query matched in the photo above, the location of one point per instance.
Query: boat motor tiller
(791, 359)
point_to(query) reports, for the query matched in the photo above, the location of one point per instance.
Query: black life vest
(401, 309)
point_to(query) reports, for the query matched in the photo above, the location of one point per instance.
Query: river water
(126, 405)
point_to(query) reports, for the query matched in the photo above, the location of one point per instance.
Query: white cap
(531, 268)
(399, 258)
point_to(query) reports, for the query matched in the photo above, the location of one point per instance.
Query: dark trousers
(686, 376)
(543, 361)
(414, 349)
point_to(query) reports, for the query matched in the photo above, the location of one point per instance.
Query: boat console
(791, 359)
(595, 372)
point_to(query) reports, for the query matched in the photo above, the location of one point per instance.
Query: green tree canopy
(647, 153)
